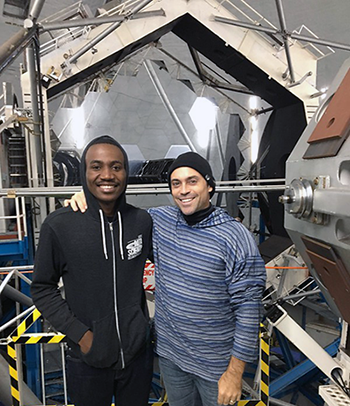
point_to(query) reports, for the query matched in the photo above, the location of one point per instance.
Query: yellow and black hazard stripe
(264, 366)
(40, 339)
(18, 337)
(26, 323)
(264, 372)
(11, 351)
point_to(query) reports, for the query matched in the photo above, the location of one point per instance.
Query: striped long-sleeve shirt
(209, 283)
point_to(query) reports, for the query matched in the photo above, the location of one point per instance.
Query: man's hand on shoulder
(77, 202)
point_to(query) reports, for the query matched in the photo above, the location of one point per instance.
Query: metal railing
(235, 186)
(20, 216)
(312, 47)
(246, 13)
(78, 10)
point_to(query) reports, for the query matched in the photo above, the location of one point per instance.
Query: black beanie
(196, 162)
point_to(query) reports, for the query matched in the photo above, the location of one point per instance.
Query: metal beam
(43, 27)
(286, 37)
(15, 46)
(197, 63)
(156, 82)
(210, 80)
(36, 10)
(231, 87)
(106, 32)
(68, 191)
(35, 137)
(313, 40)
(290, 377)
(250, 26)
(271, 31)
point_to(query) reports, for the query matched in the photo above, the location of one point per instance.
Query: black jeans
(89, 386)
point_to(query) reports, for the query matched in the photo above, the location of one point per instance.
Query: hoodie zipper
(115, 295)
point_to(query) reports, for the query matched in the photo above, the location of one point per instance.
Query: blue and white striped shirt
(209, 283)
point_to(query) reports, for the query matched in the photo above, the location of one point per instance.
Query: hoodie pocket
(105, 348)
(135, 331)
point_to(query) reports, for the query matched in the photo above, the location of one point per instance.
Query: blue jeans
(185, 389)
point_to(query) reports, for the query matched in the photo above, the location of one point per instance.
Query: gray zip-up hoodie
(101, 263)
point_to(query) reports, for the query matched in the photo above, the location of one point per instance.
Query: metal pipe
(42, 373)
(16, 268)
(285, 36)
(313, 40)
(8, 217)
(36, 10)
(17, 296)
(69, 191)
(267, 30)
(301, 80)
(246, 25)
(18, 220)
(105, 33)
(47, 150)
(6, 281)
(10, 49)
(23, 277)
(231, 87)
(19, 316)
(197, 63)
(264, 111)
(218, 139)
(156, 82)
(306, 344)
(301, 295)
(92, 43)
(43, 27)
(24, 217)
(64, 374)
(36, 157)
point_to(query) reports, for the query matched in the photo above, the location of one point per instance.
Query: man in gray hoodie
(100, 255)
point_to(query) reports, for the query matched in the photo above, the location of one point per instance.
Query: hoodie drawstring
(120, 235)
(103, 234)
(103, 231)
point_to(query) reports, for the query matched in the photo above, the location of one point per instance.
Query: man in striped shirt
(209, 284)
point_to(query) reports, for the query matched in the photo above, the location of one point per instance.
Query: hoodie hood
(92, 202)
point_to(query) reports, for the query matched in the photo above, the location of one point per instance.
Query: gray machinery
(318, 213)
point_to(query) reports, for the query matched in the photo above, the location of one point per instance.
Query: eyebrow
(189, 178)
(97, 161)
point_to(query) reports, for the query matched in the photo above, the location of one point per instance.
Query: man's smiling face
(190, 191)
(105, 174)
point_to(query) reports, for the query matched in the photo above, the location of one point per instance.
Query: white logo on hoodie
(134, 247)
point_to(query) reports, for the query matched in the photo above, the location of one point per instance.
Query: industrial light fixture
(254, 139)
(253, 125)
(203, 114)
(323, 91)
(78, 127)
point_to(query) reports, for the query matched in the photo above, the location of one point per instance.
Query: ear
(210, 189)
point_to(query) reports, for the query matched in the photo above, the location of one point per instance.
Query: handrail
(19, 215)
